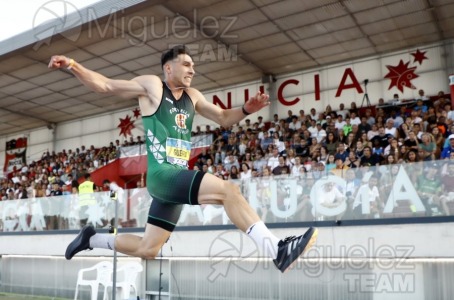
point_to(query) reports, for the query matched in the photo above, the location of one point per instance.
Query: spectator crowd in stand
(334, 141)
(58, 174)
(344, 142)
(351, 137)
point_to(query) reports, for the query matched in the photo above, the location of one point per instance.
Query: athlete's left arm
(228, 117)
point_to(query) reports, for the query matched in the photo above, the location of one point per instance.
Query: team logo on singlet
(180, 120)
(181, 117)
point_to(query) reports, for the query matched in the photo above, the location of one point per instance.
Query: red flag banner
(15, 157)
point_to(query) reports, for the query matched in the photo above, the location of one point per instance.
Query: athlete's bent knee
(232, 189)
(149, 253)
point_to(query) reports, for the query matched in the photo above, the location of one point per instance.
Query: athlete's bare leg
(217, 191)
(212, 191)
(146, 247)
(285, 252)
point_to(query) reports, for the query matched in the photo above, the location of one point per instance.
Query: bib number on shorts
(178, 152)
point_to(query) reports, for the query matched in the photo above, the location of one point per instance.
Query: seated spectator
(341, 152)
(391, 129)
(328, 110)
(369, 159)
(422, 96)
(259, 161)
(352, 161)
(403, 131)
(379, 120)
(312, 114)
(440, 101)
(395, 99)
(347, 127)
(368, 202)
(382, 138)
(247, 158)
(429, 187)
(273, 160)
(364, 127)
(340, 169)
(302, 149)
(339, 123)
(278, 142)
(369, 117)
(221, 172)
(267, 140)
(449, 114)
(420, 107)
(297, 168)
(260, 123)
(415, 118)
(439, 141)
(331, 143)
(330, 197)
(354, 119)
(442, 125)
(392, 148)
(350, 141)
(320, 134)
(313, 128)
(230, 161)
(427, 147)
(411, 156)
(373, 132)
(417, 130)
(377, 149)
(359, 149)
(398, 120)
(330, 162)
(281, 168)
(448, 149)
(294, 124)
(342, 111)
(412, 141)
(430, 118)
(234, 174)
(403, 112)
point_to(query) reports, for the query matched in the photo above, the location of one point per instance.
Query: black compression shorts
(171, 189)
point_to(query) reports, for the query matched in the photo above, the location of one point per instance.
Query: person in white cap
(448, 149)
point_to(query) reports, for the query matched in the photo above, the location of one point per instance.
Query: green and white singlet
(168, 141)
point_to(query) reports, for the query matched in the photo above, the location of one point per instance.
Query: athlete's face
(181, 71)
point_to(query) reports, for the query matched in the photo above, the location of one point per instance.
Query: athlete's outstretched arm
(97, 82)
(229, 117)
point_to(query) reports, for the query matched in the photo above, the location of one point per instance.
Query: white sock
(265, 240)
(105, 241)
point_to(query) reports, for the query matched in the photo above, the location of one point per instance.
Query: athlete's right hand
(58, 62)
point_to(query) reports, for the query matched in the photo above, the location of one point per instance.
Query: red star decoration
(136, 112)
(401, 76)
(126, 125)
(419, 56)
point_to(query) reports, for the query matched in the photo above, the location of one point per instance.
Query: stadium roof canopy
(232, 41)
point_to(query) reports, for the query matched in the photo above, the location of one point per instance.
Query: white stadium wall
(314, 88)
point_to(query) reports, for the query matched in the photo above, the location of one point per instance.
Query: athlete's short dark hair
(173, 53)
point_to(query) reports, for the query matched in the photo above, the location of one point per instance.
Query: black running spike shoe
(292, 247)
(81, 242)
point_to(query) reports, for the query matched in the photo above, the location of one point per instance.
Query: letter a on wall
(403, 189)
